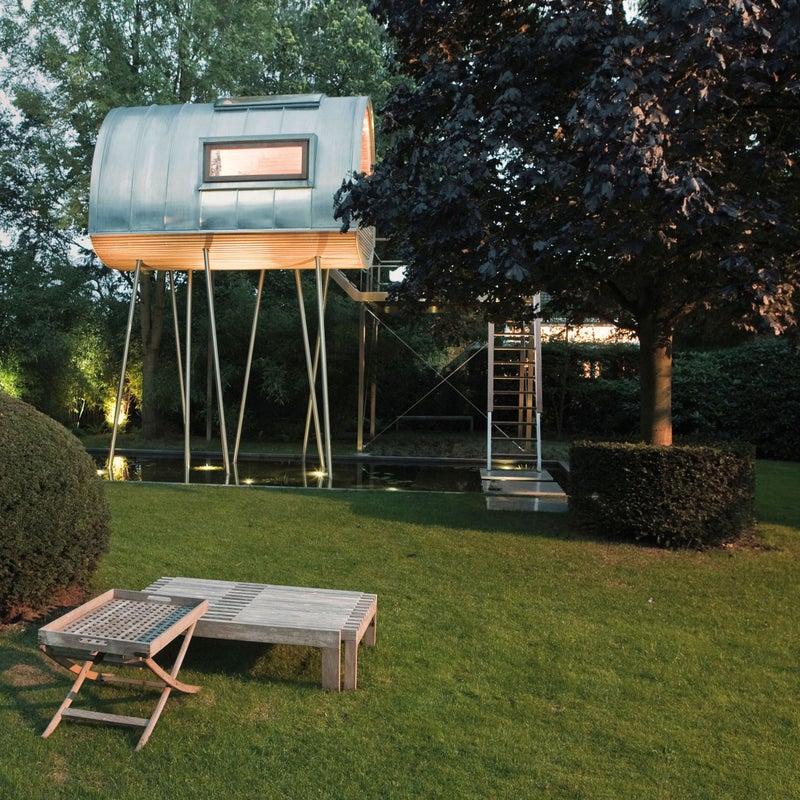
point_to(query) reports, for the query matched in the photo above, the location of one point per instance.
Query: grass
(515, 659)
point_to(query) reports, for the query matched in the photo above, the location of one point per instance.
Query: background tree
(642, 170)
(47, 353)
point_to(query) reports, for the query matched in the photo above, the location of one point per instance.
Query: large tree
(642, 170)
(69, 63)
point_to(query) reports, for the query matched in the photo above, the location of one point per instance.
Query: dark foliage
(745, 393)
(681, 496)
(54, 517)
(536, 135)
(590, 389)
(642, 171)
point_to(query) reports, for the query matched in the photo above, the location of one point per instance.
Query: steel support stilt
(253, 331)
(187, 383)
(177, 343)
(220, 405)
(118, 404)
(315, 371)
(311, 377)
(362, 349)
(326, 419)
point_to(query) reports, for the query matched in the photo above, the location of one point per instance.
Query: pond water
(352, 473)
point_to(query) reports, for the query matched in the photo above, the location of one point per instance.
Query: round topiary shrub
(54, 516)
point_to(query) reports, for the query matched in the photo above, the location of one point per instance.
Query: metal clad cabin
(250, 180)
(243, 183)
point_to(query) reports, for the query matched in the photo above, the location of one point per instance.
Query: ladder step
(516, 475)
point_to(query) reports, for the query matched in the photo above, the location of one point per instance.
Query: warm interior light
(367, 143)
(257, 160)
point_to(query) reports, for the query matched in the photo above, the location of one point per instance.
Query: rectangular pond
(387, 474)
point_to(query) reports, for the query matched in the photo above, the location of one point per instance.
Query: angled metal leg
(311, 376)
(118, 404)
(213, 322)
(177, 343)
(187, 383)
(326, 411)
(315, 373)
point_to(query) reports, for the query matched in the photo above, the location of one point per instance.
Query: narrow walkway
(522, 490)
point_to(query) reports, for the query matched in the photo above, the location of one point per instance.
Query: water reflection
(349, 474)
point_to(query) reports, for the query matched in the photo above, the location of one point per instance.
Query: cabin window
(270, 160)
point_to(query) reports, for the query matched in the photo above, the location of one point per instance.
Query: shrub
(54, 517)
(742, 393)
(678, 496)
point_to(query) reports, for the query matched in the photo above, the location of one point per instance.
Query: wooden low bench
(256, 612)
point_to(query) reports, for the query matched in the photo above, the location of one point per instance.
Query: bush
(54, 517)
(675, 496)
(742, 393)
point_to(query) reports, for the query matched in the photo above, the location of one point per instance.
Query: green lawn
(515, 659)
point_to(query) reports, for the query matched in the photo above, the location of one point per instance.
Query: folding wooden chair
(127, 628)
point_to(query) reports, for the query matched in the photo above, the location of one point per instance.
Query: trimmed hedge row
(747, 393)
(744, 393)
(54, 516)
(679, 496)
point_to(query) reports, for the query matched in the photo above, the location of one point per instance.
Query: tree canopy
(641, 170)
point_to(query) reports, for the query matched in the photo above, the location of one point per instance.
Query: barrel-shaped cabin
(250, 181)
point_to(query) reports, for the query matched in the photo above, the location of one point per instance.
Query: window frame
(258, 181)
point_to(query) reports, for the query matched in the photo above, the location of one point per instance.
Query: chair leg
(166, 683)
(71, 695)
(162, 701)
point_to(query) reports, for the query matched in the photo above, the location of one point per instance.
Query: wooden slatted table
(127, 628)
(256, 612)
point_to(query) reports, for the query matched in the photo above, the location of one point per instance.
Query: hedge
(744, 393)
(678, 496)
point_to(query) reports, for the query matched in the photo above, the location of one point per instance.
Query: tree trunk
(153, 287)
(655, 382)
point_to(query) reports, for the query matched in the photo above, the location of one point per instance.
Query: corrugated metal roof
(148, 178)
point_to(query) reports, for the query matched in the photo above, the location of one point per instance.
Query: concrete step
(522, 490)
(518, 503)
(509, 475)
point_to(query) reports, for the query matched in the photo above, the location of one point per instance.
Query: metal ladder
(514, 393)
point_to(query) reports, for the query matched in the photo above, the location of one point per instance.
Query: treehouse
(248, 181)
(240, 184)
